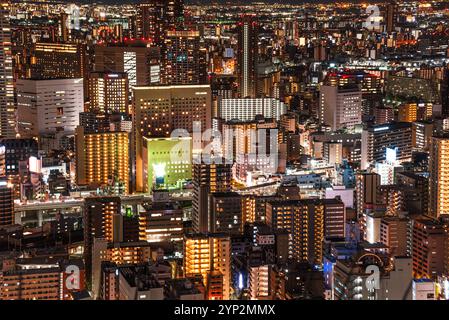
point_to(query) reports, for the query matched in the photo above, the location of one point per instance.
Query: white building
(340, 107)
(346, 195)
(49, 106)
(247, 109)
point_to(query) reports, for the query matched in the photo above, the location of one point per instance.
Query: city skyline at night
(230, 151)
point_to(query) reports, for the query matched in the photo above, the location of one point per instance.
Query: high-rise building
(183, 59)
(158, 110)
(376, 139)
(161, 109)
(416, 187)
(161, 222)
(253, 145)
(391, 16)
(439, 175)
(6, 204)
(383, 115)
(260, 282)
(58, 61)
(136, 59)
(370, 85)
(366, 186)
(8, 121)
(102, 219)
(307, 221)
(102, 159)
(247, 56)
(154, 17)
(226, 213)
(49, 106)
(108, 92)
(41, 280)
(428, 248)
(395, 233)
(207, 179)
(209, 256)
(17, 150)
(408, 112)
(94, 122)
(248, 109)
(340, 106)
(422, 132)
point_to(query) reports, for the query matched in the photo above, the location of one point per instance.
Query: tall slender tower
(8, 121)
(207, 179)
(439, 175)
(391, 16)
(247, 56)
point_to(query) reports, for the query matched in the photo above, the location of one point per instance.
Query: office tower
(428, 248)
(169, 162)
(422, 132)
(439, 175)
(102, 159)
(155, 17)
(248, 109)
(8, 121)
(305, 221)
(17, 150)
(395, 233)
(159, 110)
(366, 187)
(101, 219)
(108, 92)
(340, 107)
(377, 138)
(247, 56)
(209, 256)
(207, 179)
(6, 204)
(136, 59)
(183, 59)
(391, 16)
(58, 61)
(49, 106)
(226, 213)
